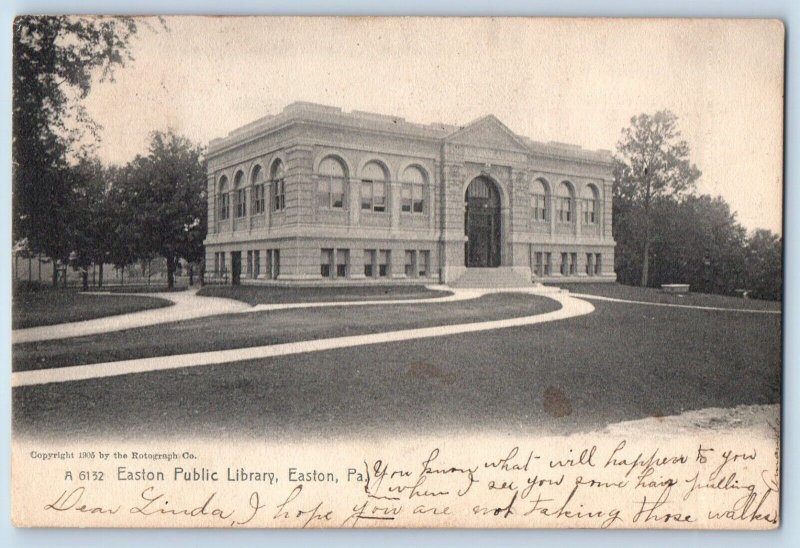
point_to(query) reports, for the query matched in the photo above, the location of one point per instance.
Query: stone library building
(316, 195)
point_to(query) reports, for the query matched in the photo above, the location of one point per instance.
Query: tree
(651, 164)
(698, 241)
(94, 219)
(54, 59)
(88, 189)
(165, 197)
(764, 265)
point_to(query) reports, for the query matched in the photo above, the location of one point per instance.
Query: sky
(573, 81)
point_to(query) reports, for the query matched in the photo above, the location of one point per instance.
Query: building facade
(317, 195)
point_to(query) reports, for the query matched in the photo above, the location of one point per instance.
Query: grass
(622, 362)
(138, 288)
(263, 328)
(653, 295)
(271, 294)
(54, 306)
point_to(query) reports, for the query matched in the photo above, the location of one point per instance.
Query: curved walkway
(570, 307)
(671, 305)
(187, 305)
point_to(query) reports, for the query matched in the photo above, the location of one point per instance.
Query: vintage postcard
(397, 272)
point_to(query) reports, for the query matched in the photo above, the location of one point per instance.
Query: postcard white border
(788, 535)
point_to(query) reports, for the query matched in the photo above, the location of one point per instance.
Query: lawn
(274, 327)
(53, 306)
(272, 294)
(648, 294)
(139, 288)
(622, 362)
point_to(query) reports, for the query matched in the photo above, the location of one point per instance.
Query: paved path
(671, 305)
(570, 307)
(188, 305)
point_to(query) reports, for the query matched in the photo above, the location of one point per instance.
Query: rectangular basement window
(325, 263)
(342, 256)
(383, 263)
(424, 263)
(369, 263)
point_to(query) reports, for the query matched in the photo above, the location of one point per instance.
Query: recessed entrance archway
(482, 224)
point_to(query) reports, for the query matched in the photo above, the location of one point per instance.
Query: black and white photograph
(396, 272)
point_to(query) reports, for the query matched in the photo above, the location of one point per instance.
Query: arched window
(330, 183)
(276, 177)
(257, 180)
(373, 187)
(241, 196)
(565, 197)
(414, 182)
(539, 200)
(224, 207)
(590, 206)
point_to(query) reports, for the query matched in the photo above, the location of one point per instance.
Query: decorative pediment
(488, 132)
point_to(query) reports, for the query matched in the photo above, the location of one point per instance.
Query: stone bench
(675, 288)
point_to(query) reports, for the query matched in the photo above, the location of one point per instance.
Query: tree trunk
(64, 279)
(100, 276)
(55, 274)
(85, 279)
(646, 253)
(645, 263)
(191, 274)
(170, 272)
(149, 270)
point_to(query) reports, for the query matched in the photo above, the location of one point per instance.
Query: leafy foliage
(54, 60)
(667, 234)
(652, 164)
(764, 265)
(160, 200)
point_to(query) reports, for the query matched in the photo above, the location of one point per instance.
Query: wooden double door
(482, 224)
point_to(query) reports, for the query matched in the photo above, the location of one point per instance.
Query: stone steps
(492, 278)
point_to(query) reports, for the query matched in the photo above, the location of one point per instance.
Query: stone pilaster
(357, 264)
(211, 192)
(300, 192)
(607, 205)
(394, 196)
(353, 199)
(452, 221)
